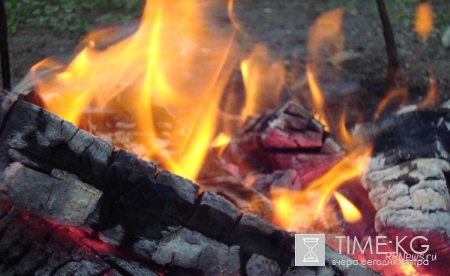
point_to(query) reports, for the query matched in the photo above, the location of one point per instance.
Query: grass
(80, 15)
(401, 12)
(68, 15)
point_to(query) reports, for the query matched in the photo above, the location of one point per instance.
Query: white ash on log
(60, 197)
(142, 210)
(286, 139)
(408, 182)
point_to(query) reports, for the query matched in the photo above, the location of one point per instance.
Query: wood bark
(150, 216)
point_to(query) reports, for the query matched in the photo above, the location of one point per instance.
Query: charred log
(148, 215)
(408, 182)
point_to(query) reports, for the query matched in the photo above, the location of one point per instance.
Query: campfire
(174, 150)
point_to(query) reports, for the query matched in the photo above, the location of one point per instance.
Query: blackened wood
(222, 216)
(408, 181)
(412, 199)
(33, 246)
(189, 249)
(60, 197)
(144, 213)
(47, 141)
(255, 235)
(216, 176)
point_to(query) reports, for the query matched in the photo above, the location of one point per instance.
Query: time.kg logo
(309, 249)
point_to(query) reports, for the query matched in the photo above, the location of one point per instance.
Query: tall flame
(172, 60)
(263, 80)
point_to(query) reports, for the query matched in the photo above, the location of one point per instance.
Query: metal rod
(394, 75)
(4, 50)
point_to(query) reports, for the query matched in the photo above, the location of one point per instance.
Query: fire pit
(177, 151)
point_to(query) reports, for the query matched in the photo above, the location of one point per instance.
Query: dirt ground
(284, 26)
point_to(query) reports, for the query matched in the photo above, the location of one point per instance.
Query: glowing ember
(424, 20)
(316, 195)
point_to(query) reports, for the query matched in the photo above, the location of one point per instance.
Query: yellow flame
(424, 22)
(317, 97)
(287, 202)
(325, 40)
(172, 60)
(350, 213)
(220, 140)
(409, 270)
(263, 80)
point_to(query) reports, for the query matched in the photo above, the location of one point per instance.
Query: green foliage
(68, 15)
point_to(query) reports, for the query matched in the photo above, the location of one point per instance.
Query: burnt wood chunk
(216, 177)
(50, 142)
(157, 219)
(260, 265)
(408, 181)
(167, 197)
(288, 138)
(125, 172)
(60, 197)
(256, 236)
(38, 247)
(192, 250)
(130, 267)
(221, 214)
(308, 166)
(291, 127)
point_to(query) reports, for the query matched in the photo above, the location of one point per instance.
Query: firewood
(33, 246)
(288, 138)
(407, 179)
(148, 215)
(216, 177)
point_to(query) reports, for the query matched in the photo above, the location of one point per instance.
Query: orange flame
(172, 60)
(325, 39)
(400, 93)
(233, 18)
(326, 30)
(424, 20)
(263, 80)
(317, 97)
(288, 202)
(350, 213)
(433, 93)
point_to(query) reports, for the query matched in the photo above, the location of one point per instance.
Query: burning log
(408, 183)
(286, 139)
(61, 174)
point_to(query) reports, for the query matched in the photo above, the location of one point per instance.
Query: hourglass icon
(310, 255)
